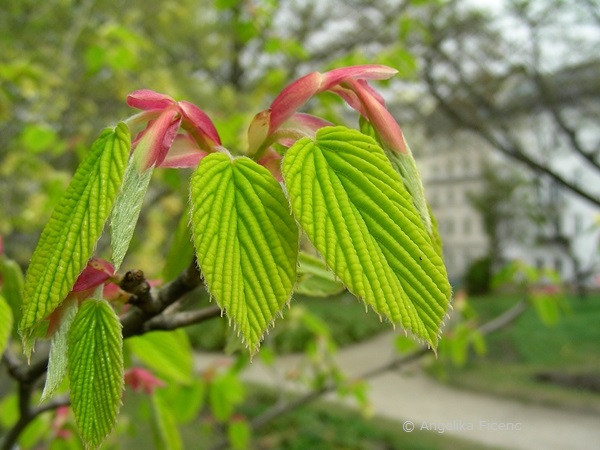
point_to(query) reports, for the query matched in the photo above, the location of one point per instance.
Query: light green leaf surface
(354, 208)
(246, 241)
(126, 212)
(95, 370)
(70, 236)
(407, 168)
(168, 353)
(6, 323)
(57, 361)
(405, 165)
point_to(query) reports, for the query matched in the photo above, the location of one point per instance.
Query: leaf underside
(57, 360)
(356, 211)
(246, 241)
(70, 236)
(95, 367)
(126, 212)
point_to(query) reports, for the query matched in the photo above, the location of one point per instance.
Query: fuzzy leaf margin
(70, 236)
(354, 208)
(246, 241)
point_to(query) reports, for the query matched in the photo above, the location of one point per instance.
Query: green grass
(317, 426)
(323, 426)
(528, 347)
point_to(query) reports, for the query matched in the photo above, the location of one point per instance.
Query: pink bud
(201, 123)
(293, 97)
(380, 118)
(142, 380)
(146, 100)
(96, 272)
(154, 142)
(365, 72)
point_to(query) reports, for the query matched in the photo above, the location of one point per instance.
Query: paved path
(420, 402)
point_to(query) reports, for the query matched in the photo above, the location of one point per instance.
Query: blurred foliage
(67, 66)
(478, 277)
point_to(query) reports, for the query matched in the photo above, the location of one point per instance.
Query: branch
(509, 148)
(570, 133)
(147, 306)
(182, 319)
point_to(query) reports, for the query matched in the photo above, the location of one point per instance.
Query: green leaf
(126, 212)
(95, 370)
(405, 165)
(225, 393)
(6, 323)
(57, 361)
(315, 279)
(168, 353)
(9, 410)
(239, 434)
(181, 252)
(246, 241)
(354, 208)
(185, 401)
(547, 307)
(12, 286)
(70, 236)
(166, 431)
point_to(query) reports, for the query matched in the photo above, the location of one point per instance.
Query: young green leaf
(168, 353)
(246, 241)
(128, 205)
(69, 237)
(357, 213)
(95, 370)
(405, 165)
(6, 323)
(57, 361)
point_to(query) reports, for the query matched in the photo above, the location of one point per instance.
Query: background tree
(486, 68)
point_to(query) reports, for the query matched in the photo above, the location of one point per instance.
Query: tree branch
(182, 319)
(148, 305)
(570, 133)
(509, 147)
